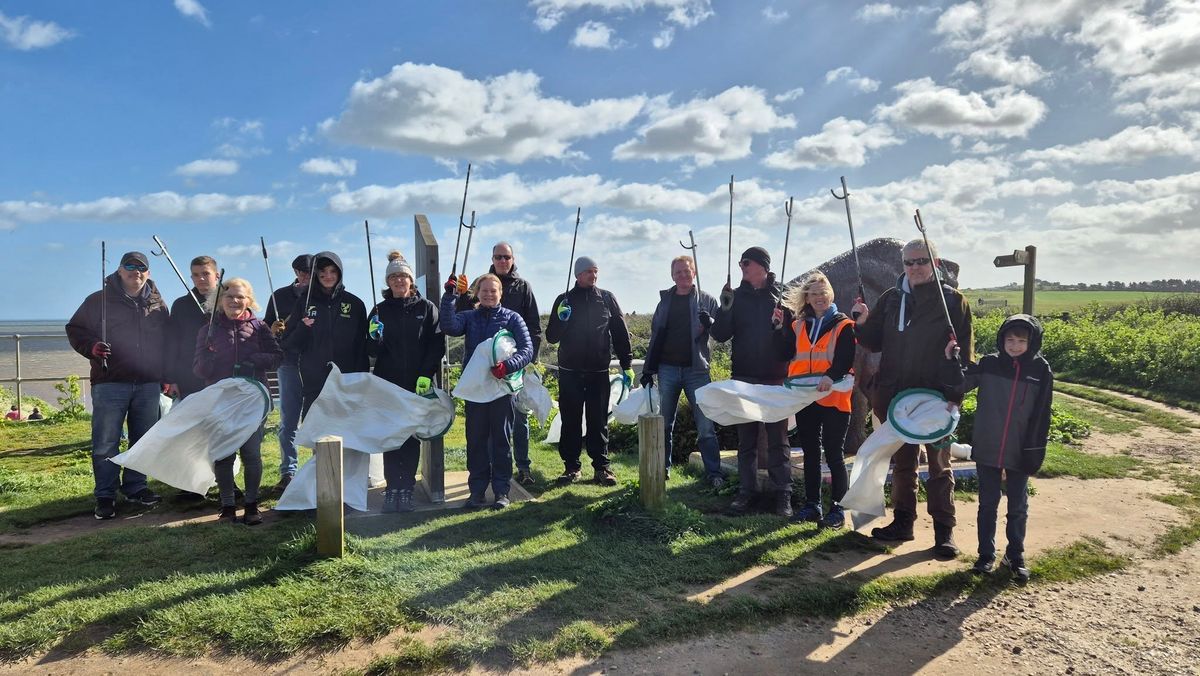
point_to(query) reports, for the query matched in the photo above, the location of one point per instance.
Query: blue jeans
(1016, 486)
(291, 396)
(112, 405)
(671, 381)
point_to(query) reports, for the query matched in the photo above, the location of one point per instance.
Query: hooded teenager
(408, 351)
(331, 328)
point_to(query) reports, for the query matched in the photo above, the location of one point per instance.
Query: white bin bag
(641, 401)
(534, 398)
(732, 402)
(915, 416)
(617, 393)
(301, 493)
(210, 425)
(477, 383)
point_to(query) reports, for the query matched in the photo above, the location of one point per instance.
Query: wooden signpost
(331, 523)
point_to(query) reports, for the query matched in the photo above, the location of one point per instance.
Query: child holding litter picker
(239, 345)
(489, 424)
(1012, 423)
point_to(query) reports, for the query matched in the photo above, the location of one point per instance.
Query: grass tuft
(1063, 460)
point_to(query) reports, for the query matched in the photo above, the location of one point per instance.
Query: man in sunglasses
(745, 317)
(908, 326)
(127, 373)
(517, 295)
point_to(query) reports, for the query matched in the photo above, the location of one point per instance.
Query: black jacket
(756, 353)
(843, 351)
(596, 329)
(137, 332)
(412, 344)
(1012, 414)
(284, 301)
(186, 321)
(338, 333)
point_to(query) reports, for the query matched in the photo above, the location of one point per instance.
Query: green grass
(1179, 536)
(1079, 560)
(1063, 460)
(1161, 397)
(1057, 302)
(1101, 418)
(1147, 414)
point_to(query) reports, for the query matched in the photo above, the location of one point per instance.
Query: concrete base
(961, 468)
(456, 496)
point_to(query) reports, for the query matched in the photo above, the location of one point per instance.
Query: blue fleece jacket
(482, 324)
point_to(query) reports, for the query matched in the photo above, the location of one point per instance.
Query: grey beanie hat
(397, 266)
(582, 264)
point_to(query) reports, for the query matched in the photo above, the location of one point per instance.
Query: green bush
(70, 404)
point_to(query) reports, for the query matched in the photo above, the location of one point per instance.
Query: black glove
(647, 379)
(726, 299)
(706, 320)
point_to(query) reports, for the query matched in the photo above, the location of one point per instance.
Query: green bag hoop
(932, 436)
(433, 395)
(514, 381)
(806, 381)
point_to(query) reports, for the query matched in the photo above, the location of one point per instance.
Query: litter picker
(461, 214)
(787, 208)
(270, 282)
(937, 279)
(371, 263)
(695, 263)
(729, 254)
(845, 197)
(187, 288)
(216, 304)
(470, 232)
(103, 300)
(571, 263)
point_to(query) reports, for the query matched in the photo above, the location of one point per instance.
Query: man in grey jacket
(679, 356)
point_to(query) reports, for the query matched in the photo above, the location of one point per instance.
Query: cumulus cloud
(594, 35)
(1129, 146)
(437, 111)
(159, 206)
(25, 34)
(997, 64)
(933, 109)
(884, 11)
(684, 13)
(853, 78)
(207, 167)
(773, 15)
(192, 9)
(841, 142)
(789, 95)
(704, 130)
(328, 166)
(664, 37)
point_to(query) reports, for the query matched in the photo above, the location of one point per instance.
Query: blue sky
(1069, 125)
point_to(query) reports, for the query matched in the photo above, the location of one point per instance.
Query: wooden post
(331, 524)
(433, 454)
(652, 460)
(1030, 279)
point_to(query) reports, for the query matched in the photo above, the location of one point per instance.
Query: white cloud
(704, 130)
(1173, 212)
(1149, 187)
(282, 249)
(841, 143)
(25, 34)
(852, 77)
(328, 166)
(1040, 187)
(685, 13)
(789, 95)
(594, 35)
(436, 111)
(773, 15)
(192, 9)
(933, 109)
(159, 206)
(977, 148)
(997, 64)
(877, 11)
(1126, 147)
(664, 38)
(208, 168)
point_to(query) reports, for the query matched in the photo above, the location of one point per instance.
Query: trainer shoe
(717, 483)
(404, 502)
(899, 530)
(836, 518)
(984, 566)
(106, 508)
(474, 502)
(145, 497)
(1020, 573)
(525, 478)
(569, 476)
(390, 497)
(502, 501)
(809, 512)
(228, 515)
(605, 477)
(740, 505)
(250, 515)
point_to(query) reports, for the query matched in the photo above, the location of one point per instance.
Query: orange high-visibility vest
(816, 359)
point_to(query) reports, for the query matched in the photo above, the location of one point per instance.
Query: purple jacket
(235, 341)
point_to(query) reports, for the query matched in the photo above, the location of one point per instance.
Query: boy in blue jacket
(1012, 423)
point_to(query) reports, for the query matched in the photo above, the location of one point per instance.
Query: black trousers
(825, 427)
(400, 465)
(583, 393)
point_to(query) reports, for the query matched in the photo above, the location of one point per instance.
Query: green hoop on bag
(922, 438)
(806, 381)
(514, 381)
(433, 395)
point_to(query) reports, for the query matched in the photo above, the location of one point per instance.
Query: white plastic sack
(301, 493)
(732, 402)
(373, 415)
(915, 416)
(534, 398)
(477, 383)
(210, 425)
(641, 401)
(617, 393)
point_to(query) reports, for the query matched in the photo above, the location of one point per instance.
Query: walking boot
(943, 541)
(740, 505)
(899, 530)
(783, 504)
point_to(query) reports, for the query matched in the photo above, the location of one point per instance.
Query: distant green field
(1053, 302)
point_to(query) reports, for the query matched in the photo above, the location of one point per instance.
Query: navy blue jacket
(482, 324)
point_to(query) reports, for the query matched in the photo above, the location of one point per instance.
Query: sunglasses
(498, 257)
(138, 267)
(911, 262)
(744, 263)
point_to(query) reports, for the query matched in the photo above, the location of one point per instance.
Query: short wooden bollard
(652, 461)
(331, 522)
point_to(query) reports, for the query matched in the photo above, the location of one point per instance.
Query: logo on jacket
(312, 312)
(345, 309)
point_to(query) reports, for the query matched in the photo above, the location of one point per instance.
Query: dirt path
(1144, 620)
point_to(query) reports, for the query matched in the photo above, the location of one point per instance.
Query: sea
(45, 353)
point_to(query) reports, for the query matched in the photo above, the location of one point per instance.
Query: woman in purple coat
(240, 345)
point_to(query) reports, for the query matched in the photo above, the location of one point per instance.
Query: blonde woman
(823, 340)
(240, 345)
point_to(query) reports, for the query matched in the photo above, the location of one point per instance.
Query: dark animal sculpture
(881, 268)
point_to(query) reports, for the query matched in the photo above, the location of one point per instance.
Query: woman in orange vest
(824, 340)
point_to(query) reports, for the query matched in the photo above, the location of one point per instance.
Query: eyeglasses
(744, 263)
(911, 262)
(498, 257)
(135, 267)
